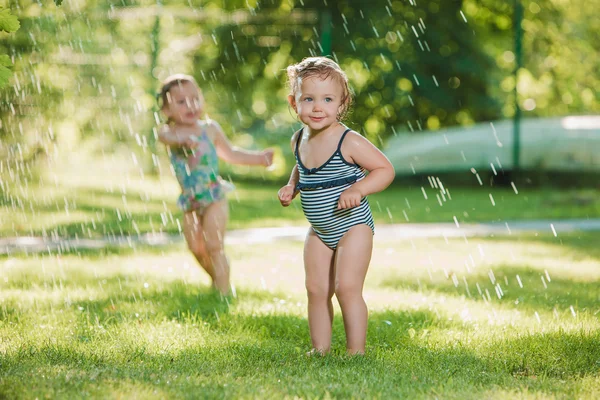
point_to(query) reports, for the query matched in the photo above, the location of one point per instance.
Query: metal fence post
(153, 64)
(518, 16)
(326, 33)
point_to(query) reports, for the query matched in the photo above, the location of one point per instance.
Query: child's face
(184, 105)
(318, 102)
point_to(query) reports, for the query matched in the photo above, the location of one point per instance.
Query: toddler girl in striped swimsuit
(331, 161)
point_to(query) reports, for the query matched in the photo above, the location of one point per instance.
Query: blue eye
(328, 99)
(308, 99)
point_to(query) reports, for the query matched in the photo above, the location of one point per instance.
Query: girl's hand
(349, 198)
(286, 194)
(267, 157)
(190, 142)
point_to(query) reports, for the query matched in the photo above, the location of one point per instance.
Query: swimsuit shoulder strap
(339, 148)
(300, 132)
(204, 130)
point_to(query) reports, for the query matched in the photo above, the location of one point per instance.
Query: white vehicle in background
(567, 144)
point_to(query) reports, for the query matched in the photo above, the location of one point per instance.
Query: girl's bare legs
(352, 259)
(318, 267)
(204, 235)
(214, 221)
(194, 236)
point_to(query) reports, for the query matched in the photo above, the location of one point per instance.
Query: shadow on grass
(536, 294)
(131, 302)
(522, 287)
(108, 220)
(175, 300)
(270, 362)
(187, 304)
(96, 253)
(141, 215)
(575, 245)
(579, 245)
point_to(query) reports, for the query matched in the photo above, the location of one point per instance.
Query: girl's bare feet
(355, 353)
(316, 352)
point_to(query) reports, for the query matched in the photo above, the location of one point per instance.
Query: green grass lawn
(516, 317)
(111, 197)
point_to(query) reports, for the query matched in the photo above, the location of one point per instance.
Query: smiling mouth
(317, 118)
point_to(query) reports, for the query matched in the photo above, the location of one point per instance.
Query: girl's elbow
(227, 158)
(391, 174)
(391, 170)
(163, 137)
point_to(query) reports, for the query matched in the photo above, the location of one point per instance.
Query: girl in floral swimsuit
(197, 171)
(195, 148)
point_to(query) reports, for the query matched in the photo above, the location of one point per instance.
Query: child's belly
(320, 209)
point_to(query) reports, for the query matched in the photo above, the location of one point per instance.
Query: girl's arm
(169, 137)
(359, 150)
(287, 193)
(294, 177)
(235, 155)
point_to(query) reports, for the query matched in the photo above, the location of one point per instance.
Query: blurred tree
(415, 66)
(8, 24)
(87, 70)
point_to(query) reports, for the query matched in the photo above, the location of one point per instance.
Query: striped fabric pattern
(320, 189)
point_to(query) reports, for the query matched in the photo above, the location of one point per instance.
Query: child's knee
(214, 247)
(317, 290)
(198, 248)
(347, 290)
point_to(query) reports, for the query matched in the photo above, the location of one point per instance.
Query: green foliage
(412, 65)
(416, 66)
(9, 24)
(5, 72)
(405, 63)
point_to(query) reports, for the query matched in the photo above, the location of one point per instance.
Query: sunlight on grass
(119, 321)
(113, 196)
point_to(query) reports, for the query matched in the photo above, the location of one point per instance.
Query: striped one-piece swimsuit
(320, 189)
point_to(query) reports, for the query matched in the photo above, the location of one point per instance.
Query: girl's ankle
(352, 353)
(317, 352)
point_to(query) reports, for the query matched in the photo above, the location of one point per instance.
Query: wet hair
(174, 80)
(324, 68)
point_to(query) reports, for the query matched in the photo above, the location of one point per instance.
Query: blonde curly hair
(324, 68)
